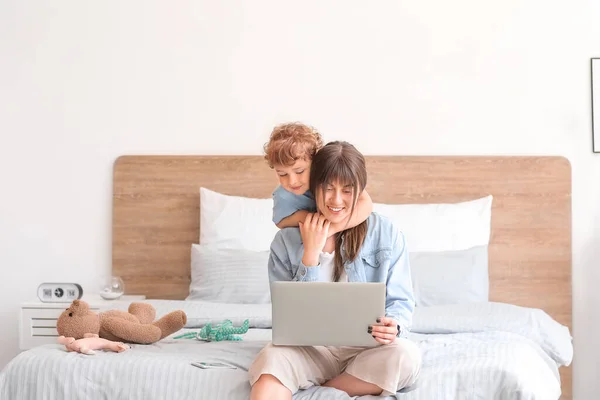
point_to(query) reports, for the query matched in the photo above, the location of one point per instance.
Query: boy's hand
(314, 231)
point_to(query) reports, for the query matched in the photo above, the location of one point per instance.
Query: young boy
(289, 152)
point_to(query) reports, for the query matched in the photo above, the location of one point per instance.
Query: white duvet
(489, 351)
(474, 351)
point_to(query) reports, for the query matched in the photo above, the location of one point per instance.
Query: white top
(327, 266)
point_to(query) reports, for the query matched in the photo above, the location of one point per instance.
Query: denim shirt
(383, 257)
(286, 203)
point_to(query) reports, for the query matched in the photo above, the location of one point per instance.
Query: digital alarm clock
(59, 292)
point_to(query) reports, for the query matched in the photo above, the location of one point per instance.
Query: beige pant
(391, 367)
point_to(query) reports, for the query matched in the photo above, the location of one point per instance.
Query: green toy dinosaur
(218, 333)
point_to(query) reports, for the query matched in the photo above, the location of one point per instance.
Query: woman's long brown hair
(340, 162)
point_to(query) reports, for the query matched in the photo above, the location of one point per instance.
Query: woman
(373, 251)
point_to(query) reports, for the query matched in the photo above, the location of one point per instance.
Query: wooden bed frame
(156, 217)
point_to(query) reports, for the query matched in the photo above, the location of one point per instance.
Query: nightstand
(37, 320)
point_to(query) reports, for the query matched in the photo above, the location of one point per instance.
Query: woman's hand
(386, 332)
(314, 231)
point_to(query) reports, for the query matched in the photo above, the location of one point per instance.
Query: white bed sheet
(479, 351)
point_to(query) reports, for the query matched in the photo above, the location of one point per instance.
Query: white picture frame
(595, 79)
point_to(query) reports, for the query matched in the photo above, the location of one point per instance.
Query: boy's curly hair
(290, 142)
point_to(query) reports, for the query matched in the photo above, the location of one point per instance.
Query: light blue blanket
(479, 351)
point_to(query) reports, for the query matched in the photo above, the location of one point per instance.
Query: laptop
(325, 313)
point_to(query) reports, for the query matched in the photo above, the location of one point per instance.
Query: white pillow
(439, 239)
(246, 223)
(234, 222)
(229, 275)
(450, 277)
(448, 249)
(442, 227)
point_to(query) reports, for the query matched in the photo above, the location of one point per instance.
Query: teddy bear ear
(79, 307)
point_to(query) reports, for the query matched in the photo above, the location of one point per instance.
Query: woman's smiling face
(336, 201)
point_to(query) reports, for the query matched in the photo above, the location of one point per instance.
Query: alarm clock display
(59, 292)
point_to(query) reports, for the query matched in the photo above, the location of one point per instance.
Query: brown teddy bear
(136, 326)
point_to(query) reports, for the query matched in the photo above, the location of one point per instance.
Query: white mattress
(477, 351)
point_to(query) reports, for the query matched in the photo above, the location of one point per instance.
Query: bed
(516, 345)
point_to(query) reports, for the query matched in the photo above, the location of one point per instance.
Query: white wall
(83, 82)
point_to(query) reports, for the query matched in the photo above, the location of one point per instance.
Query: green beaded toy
(217, 333)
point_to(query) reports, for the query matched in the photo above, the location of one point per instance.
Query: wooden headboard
(156, 217)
